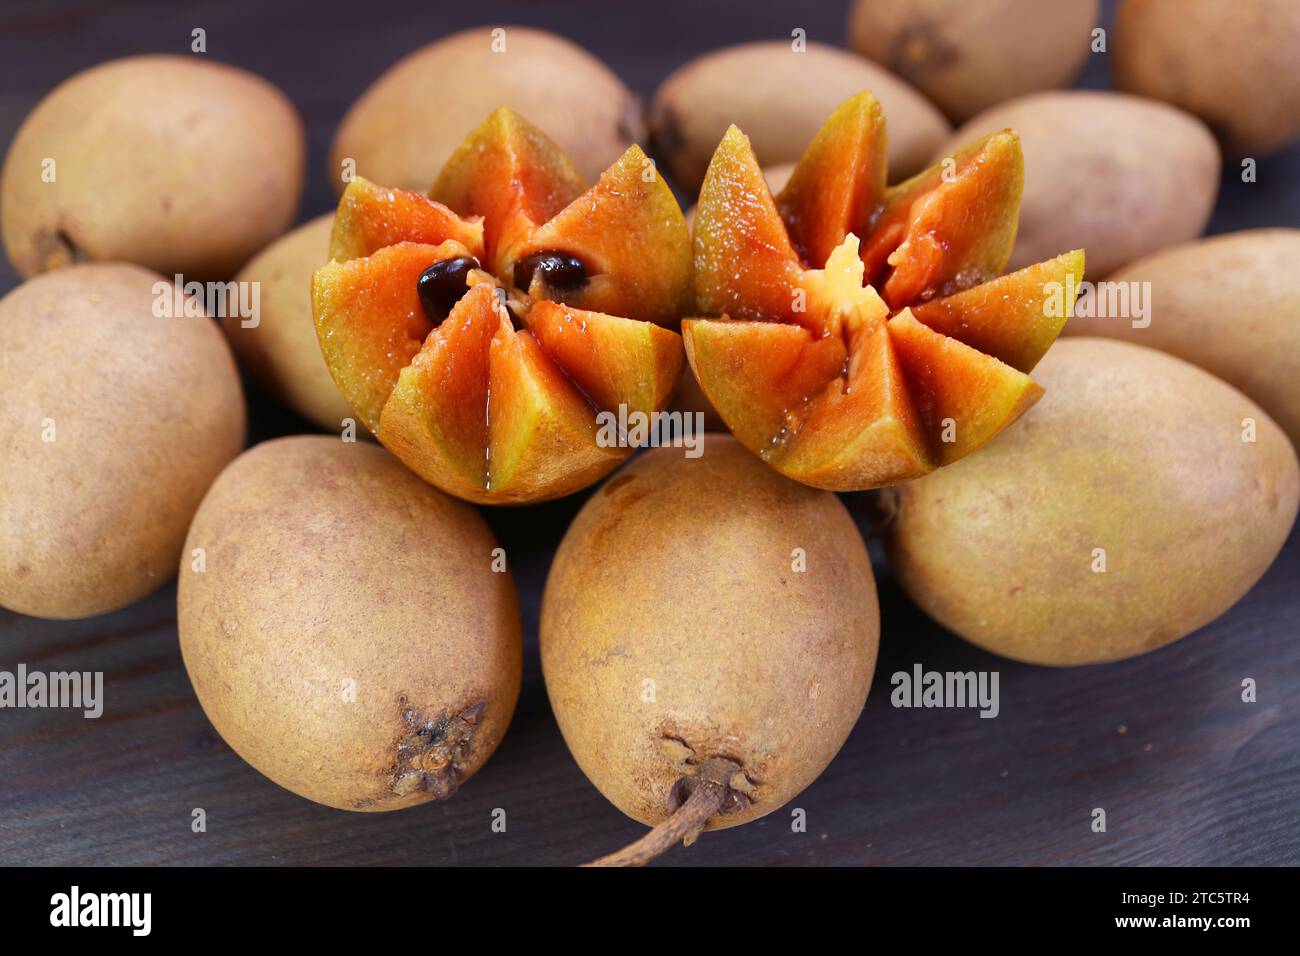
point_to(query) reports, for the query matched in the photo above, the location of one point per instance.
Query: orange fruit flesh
(830, 383)
(1016, 317)
(370, 217)
(482, 409)
(850, 398)
(370, 321)
(963, 397)
(760, 375)
(473, 405)
(841, 174)
(484, 412)
(896, 402)
(745, 266)
(950, 227)
(612, 360)
(608, 228)
(509, 173)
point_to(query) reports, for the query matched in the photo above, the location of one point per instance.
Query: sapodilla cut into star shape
(480, 331)
(857, 335)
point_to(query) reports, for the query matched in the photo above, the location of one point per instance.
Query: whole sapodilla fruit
(344, 627)
(830, 382)
(1232, 64)
(724, 659)
(1150, 172)
(1136, 503)
(481, 334)
(779, 94)
(113, 423)
(280, 348)
(409, 122)
(175, 163)
(969, 56)
(1230, 304)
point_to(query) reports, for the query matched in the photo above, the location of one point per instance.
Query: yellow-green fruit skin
(970, 56)
(281, 349)
(175, 163)
(344, 606)
(675, 614)
(780, 97)
(1230, 304)
(403, 128)
(113, 423)
(1123, 512)
(1149, 172)
(1232, 64)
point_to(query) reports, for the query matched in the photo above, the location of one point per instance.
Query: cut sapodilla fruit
(859, 335)
(480, 332)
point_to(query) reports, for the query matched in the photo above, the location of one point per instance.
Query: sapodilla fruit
(830, 381)
(708, 636)
(407, 123)
(1232, 64)
(343, 625)
(114, 420)
(175, 163)
(969, 56)
(1136, 504)
(482, 333)
(1229, 303)
(1155, 188)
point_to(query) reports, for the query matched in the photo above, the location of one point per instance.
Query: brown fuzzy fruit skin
(679, 571)
(282, 351)
(1150, 174)
(780, 98)
(1230, 304)
(408, 122)
(1232, 64)
(327, 563)
(1130, 451)
(967, 56)
(178, 164)
(144, 412)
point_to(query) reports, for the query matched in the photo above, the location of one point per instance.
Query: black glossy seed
(442, 284)
(559, 270)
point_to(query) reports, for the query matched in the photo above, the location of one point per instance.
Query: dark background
(1186, 772)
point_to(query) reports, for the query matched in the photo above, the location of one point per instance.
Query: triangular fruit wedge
(839, 181)
(511, 174)
(950, 227)
(964, 397)
(485, 414)
(614, 361)
(371, 217)
(760, 375)
(745, 266)
(830, 382)
(436, 418)
(862, 431)
(544, 436)
(479, 363)
(611, 229)
(370, 322)
(1015, 318)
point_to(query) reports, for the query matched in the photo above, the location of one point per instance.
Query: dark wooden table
(1187, 773)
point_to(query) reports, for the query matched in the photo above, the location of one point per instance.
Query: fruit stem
(686, 821)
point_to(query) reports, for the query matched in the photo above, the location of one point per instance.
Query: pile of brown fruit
(861, 296)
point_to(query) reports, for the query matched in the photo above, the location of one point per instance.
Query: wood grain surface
(1187, 772)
